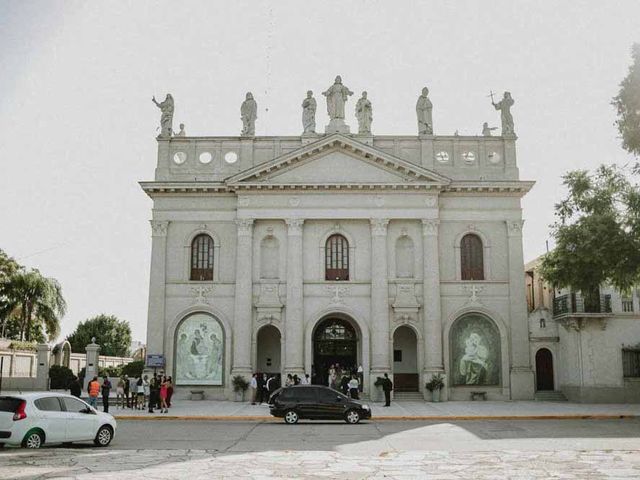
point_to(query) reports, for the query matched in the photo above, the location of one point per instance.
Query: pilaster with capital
(294, 321)
(243, 317)
(379, 299)
(431, 309)
(157, 285)
(522, 387)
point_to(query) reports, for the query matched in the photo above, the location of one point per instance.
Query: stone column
(380, 339)
(522, 387)
(91, 367)
(243, 312)
(294, 319)
(42, 367)
(431, 310)
(157, 282)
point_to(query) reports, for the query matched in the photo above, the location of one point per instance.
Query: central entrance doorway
(335, 342)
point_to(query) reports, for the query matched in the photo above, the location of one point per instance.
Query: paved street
(391, 449)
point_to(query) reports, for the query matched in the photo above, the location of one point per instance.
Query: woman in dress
(169, 391)
(163, 396)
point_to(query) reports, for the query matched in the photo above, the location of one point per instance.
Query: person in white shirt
(305, 380)
(353, 387)
(253, 385)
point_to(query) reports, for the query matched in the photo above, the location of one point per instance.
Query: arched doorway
(544, 369)
(268, 350)
(405, 360)
(335, 342)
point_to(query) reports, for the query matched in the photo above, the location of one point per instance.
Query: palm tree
(34, 298)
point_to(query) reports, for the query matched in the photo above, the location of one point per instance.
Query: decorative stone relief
(245, 226)
(244, 201)
(431, 201)
(514, 227)
(379, 226)
(430, 227)
(578, 324)
(337, 293)
(268, 304)
(474, 290)
(159, 228)
(294, 201)
(200, 295)
(406, 305)
(294, 226)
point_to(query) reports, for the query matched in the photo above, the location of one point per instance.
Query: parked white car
(33, 419)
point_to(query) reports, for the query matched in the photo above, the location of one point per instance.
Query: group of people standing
(262, 386)
(345, 381)
(134, 393)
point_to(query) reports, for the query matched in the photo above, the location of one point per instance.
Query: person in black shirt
(75, 388)
(387, 387)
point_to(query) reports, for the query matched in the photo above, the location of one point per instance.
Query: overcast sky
(77, 126)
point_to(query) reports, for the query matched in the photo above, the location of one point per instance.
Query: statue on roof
(337, 94)
(364, 114)
(504, 106)
(424, 108)
(181, 132)
(166, 120)
(248, 115)
(309, 106)
(486, 129)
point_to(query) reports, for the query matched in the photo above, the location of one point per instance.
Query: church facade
(397, 254)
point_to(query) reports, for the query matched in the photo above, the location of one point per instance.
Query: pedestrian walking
(163, 396)
(253, 385)
(387, 387)
(120, 393)
(106, 390)
(169, 391)
(93, 389)
(353, 387)
(75, 388)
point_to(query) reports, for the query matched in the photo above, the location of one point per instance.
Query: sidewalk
(405, 410)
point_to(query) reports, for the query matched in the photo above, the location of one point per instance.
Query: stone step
(408, 396)
(550, 396)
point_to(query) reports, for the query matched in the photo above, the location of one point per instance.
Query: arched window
(269, 258)
(404, 257)
(471, 258)
(336, 252)
(202, 258)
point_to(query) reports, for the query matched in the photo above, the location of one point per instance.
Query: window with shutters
(202, 258)
(471, 257)
(336, 258)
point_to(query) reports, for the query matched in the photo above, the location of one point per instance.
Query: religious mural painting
(475, 351)
(199, 351)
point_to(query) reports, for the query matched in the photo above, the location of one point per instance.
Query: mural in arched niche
(199, 351)
(475, 351)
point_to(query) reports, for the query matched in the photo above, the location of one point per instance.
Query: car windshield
(9, 404)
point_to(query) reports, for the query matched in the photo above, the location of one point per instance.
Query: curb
(443, 418)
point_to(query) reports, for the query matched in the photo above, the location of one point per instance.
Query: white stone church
(399, 254)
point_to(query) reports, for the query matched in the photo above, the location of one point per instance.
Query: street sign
(155, 360)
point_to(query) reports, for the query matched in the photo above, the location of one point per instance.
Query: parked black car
(316, 402)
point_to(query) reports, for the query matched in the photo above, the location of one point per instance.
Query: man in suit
(387, 387)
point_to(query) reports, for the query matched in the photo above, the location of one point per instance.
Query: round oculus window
(179, 158)
(442, 157)
(231, 157)
(205, 157)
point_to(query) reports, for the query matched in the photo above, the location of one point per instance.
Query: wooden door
(544, 370)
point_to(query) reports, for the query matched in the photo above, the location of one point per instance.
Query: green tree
(34, 300)
(597, 233)
(113, 335)
(8, 267)
(627, 103)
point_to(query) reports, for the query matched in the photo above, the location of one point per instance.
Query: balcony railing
(573, 303)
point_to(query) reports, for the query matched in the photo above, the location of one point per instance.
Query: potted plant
(240, 385)
(434, 386)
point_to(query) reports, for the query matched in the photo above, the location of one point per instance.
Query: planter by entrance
(435, 395)
(239, 396)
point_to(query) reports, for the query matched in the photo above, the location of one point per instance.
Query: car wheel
(104, 436)
(291, 417)
(33, 439)
(352, 417)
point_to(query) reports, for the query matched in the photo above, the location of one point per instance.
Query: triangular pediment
(337, 160)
